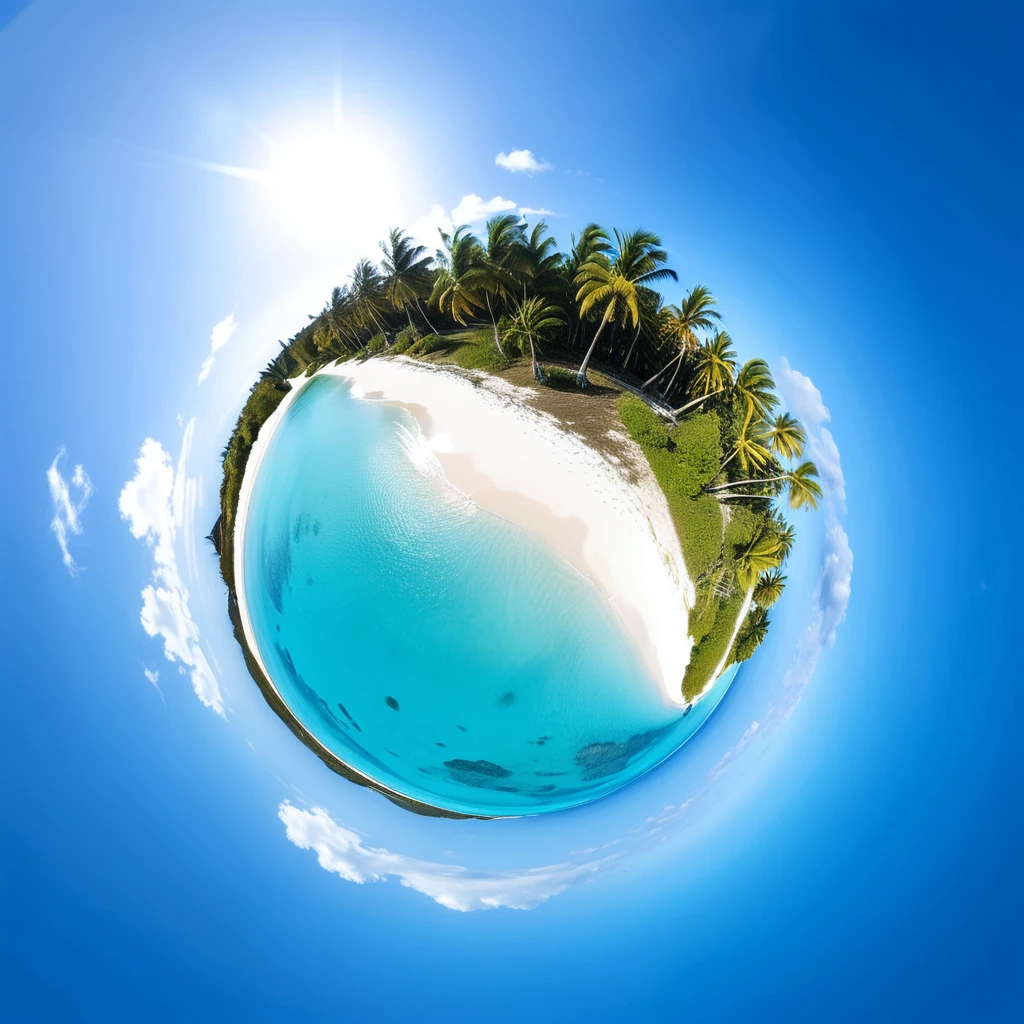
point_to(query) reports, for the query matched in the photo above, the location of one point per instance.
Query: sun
(322, 178)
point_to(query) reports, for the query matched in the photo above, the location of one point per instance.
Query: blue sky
(842, 177)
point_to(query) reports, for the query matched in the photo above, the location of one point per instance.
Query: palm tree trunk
(679, 366)
(743, 483)
(581, 373)
(660, 372)
(494, 323)
(533, 358)
(696, 401)
(424, 315)
(629, 354)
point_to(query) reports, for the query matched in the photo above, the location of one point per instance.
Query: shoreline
(604, 514)
(251, 648)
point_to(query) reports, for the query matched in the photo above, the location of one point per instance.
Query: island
(559, 391)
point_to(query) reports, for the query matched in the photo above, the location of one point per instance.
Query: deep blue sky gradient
(845, 179)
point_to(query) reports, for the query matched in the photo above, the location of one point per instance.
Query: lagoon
(434, 647)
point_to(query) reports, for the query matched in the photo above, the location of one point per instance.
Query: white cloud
(343, 852)
(730, 755)
(521, 161)
(802, 397)
(67, 510)
(822, 449)
(219, 337)
(424, 229)
(537, 211)
(153, 503)
(472, 208)
(153, 675)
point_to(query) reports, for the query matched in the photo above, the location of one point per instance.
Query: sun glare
(325, 180)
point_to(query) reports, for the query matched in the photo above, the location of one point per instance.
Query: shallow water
(435, 647)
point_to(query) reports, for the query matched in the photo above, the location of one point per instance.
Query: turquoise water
(433, 646)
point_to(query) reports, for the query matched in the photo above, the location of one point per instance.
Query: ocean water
(433, 646)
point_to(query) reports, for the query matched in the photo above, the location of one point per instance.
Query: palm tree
(505, 266)
(335, 323)
(716, 368)
(459, 285)
(366, 290)
(804, 489)
(532, 319)
(752, 634)
(693, 314)
(407, 275)
(769, 587)
(756, 388)
(545, 262)
(786, 436)
(786, 534)
(716, 365)
(614, 281)
(760, 555)
(592, 244)
(750, 448)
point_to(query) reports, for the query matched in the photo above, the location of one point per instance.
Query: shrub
(376, 344)
(645, 426)
(471, 355)
(743, 527)
(405, 339)
(431, 343)
(697, 441)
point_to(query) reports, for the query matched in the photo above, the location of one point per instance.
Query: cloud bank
(67, 510)
(153, 503)
(521, 161)
(219, 337)
(832, 594)
(343, 852)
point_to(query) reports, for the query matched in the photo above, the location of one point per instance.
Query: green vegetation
(710, 428)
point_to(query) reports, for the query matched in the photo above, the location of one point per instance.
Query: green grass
(684, 459)
(559, 377)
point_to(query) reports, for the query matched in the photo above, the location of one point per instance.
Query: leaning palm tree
(716, 368)
(804, 489)
(786, 436)
(769, 587)
(407, 276)
(749, 446)
(756, 389)
(506, 265)
(459, 286)
(532, 320)
(693, 314)
(614, 280)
